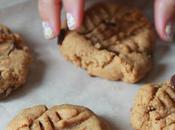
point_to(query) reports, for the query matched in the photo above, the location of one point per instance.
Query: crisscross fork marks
(159, 113)
(62, 117)
(108, 31)
(48, 123)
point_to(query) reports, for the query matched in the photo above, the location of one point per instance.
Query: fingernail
(47, 30)
(170, 30)
(70, 21)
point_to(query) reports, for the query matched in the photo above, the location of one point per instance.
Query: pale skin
(164, 16)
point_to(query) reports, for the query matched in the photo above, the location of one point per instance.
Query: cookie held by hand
(15, 59)
(115, 42)
(60, 117)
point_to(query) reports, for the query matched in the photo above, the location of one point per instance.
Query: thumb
(164, 19)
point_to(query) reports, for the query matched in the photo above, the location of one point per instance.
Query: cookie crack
(41, 125)
(165, 116)
(109, 62)
(58, 115)
(147, 112)
(11, 50)
(79, 119)
(32, 121)
(152, 109)
(169, 96)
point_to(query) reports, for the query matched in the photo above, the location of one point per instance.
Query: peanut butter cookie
(115, 42)
(154, 108)
(14, 61)
(61, 117)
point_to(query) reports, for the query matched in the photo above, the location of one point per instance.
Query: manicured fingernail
(47, 30)
(70, 21)
(170, 30)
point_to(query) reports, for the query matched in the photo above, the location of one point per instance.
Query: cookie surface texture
(154, 108)
(14, 61)
(60, 117)
(114, 42)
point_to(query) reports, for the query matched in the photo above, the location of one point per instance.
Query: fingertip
(164, 21)
(74, 15)
(159, 21)
(56, 26)
(50, 15)
(80, 14)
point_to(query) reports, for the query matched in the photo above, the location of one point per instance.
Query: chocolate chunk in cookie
(14, 61)
(173, 81)
(60, 117)
(115, 42)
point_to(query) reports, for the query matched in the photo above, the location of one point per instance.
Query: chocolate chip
(173, 81)
(62, 35)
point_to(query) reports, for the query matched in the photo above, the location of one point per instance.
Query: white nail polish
(47, 30)
(70, 21)
(170, 30)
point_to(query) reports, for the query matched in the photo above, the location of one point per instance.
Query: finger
(164, 19)
(50, 14)
(75, 10)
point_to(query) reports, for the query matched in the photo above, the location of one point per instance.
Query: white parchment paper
(52, 80)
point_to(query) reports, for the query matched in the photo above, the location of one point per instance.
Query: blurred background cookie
(15, 59)
(60, 117)
(115, 42)
(154, 107)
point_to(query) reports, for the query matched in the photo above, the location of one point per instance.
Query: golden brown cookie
(60, 117)
(115, 42)
(14, 61)
(154, 108)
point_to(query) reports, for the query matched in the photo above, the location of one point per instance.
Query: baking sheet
(52, 80)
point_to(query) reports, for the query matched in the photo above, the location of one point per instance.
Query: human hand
(50, 12)
(165, 19)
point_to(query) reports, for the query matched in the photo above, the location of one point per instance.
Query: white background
(52, 80)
